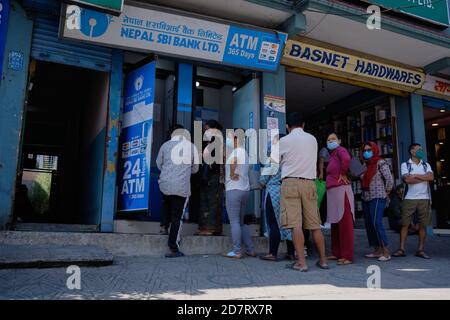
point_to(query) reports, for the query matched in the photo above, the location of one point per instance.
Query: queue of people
(291, 203)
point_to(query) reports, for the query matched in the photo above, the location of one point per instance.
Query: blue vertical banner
(136, 139)
(4, 11)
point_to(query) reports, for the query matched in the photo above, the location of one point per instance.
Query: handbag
(321, 190)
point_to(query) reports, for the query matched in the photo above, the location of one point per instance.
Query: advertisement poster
(274, 103)
(148, 30)
(136, 139)
(4, 11)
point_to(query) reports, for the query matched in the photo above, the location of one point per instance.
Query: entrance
(437, 126)
(63, 145)
(354, 113)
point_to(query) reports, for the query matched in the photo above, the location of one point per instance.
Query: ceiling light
(234, 89)
(434, 124)
(197, 84)
(441, 143)
(442, 160)
(442, 110)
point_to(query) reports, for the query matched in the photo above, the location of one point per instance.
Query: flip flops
(422, 254)
(384, 258)
(296, 267)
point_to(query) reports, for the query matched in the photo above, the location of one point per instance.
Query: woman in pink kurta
(340, 202)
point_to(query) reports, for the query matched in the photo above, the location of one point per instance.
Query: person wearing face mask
(340, 208)
(237, 192)
(377, 183)
(417, 174)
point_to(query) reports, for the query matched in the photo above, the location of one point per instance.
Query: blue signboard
(4, 11)
(136, 139)
(152, 30)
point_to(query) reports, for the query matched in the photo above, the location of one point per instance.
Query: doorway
(437, 126)
(63, 143)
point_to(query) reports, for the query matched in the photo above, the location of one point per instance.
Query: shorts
(299, 204)
(423, 209)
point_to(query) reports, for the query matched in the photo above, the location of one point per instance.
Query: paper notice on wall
(274, 103)
(272, 123)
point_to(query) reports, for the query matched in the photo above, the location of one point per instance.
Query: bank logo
(93, 23)
(138, 83)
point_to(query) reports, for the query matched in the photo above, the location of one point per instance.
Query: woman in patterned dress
(271, 179)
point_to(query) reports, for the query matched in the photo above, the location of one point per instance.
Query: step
(52, 255)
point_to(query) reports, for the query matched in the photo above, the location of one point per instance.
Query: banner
(148, 30)
(113, 6)
(136, 139)
(436, 87)
(435, 11)
(353, 66)
(4, 11)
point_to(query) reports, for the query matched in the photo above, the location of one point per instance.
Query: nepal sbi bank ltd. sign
(151, 30)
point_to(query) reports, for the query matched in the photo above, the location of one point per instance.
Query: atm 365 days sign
(145, 29)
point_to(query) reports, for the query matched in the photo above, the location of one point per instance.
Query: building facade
(70, 148)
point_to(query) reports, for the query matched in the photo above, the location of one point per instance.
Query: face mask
(332, 145)
(367, 155)
(420, 154)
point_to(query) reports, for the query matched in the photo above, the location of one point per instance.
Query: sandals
(422, 254)
(373, 255)
(322, 266)
(268, 257)
(384, 258)
(399, 253)
(251, 254)
(332, 258)
(343, 262)
(296, 267)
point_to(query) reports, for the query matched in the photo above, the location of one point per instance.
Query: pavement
(216, 277)
(42, 256)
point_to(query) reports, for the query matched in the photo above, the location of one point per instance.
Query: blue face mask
(332, 145)
(367, 155)
(420, 154)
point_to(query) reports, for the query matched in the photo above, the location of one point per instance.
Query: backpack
(405, 185)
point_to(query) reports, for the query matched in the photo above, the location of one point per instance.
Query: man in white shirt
(417, 175)
(177, 159)
(299, 207)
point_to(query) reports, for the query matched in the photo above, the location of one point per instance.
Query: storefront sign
(4, 11)
(150, 30)
(435, 11)
(274, 103)
(112, 6)
(325, 60)
(438, 87)
(136, 139)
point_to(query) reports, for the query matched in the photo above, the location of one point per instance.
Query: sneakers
(163, 231)
(233, 255)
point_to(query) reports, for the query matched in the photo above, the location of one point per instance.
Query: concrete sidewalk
(45, 256)
(216, 277)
